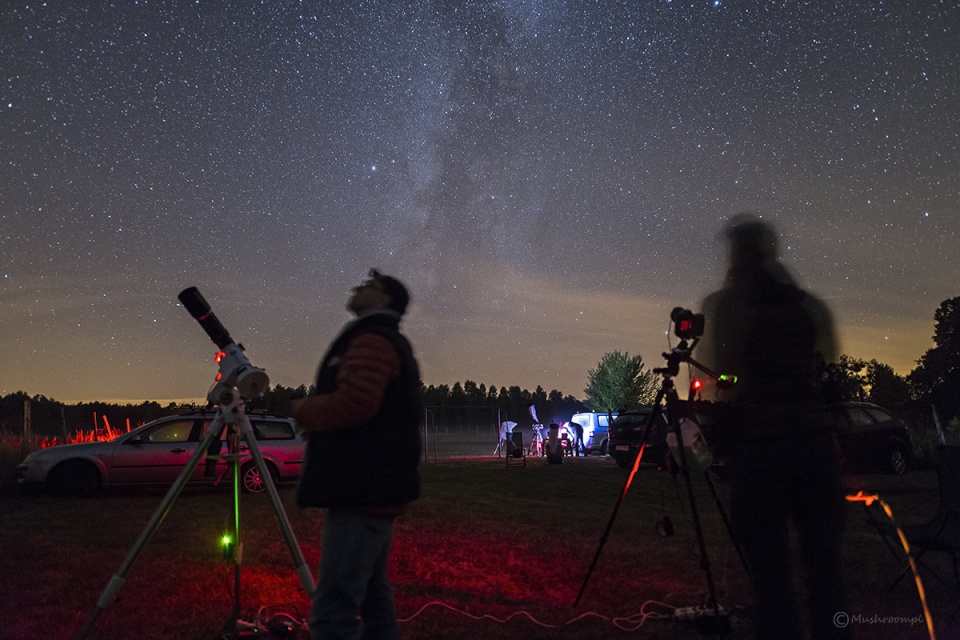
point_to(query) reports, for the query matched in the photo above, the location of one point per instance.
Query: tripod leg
(673, 409)
(726, 522)
(623, 494)
(113, 587)
(306, 577)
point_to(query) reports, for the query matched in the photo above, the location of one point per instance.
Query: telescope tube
(198, 307)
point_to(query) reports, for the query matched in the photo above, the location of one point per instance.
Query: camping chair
(506, 428)
(514, 448)
(940, 534)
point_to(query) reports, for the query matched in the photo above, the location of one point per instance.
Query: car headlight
(30, 457)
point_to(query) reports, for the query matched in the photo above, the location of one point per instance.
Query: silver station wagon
(157, 452)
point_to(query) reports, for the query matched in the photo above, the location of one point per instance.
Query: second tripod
(713, 618)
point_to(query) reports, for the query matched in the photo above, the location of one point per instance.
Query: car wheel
(74, 479)
(624, 462)
(251, 480)
(897, 461)
(603, 448)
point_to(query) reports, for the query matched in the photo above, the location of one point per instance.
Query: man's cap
(399, 296)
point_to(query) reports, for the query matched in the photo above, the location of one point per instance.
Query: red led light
(696, 386)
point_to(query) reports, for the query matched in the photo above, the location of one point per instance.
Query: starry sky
(549, 178)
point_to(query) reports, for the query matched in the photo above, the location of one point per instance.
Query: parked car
(870, 438)
(595, 431)
(157, 452)
(626, 433)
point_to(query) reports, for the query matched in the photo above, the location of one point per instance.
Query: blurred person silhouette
(777, 432)
(575, 429)
(361, 461)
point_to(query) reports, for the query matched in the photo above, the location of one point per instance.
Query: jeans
(353, 599)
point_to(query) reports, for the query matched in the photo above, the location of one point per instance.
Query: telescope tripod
(716, 620)
(234, 418)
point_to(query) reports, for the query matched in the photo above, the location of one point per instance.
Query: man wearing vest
(361, 462)
(763, 329)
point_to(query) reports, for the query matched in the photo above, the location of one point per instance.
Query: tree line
(618, 382)
(934, 384)
(48, 417)
(461, 406)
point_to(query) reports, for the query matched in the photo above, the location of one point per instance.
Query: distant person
(361, 461)
(763, 329)
(575, 429)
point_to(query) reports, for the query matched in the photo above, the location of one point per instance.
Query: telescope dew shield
(533, 413)
(195, 304)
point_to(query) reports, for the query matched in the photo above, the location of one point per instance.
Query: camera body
(687, 325)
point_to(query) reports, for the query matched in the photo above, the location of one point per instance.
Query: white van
(596, 426)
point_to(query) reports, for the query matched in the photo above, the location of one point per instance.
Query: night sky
(549, 178)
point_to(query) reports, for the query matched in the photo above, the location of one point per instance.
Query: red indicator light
(695, 387)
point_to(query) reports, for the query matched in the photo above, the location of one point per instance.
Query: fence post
(26, 444)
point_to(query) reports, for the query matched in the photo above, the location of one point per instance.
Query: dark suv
(627, 431)
(870, 438)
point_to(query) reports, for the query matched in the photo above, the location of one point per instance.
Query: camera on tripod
(686, 324)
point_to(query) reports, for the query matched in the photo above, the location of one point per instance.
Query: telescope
(236, 369)
(237, 380)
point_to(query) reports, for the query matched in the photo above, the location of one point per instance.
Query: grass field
(486, 543)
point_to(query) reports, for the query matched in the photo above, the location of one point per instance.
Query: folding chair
(940, 534)
(506, 428)
(515, 448)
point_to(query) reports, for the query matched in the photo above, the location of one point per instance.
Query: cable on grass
(629, 623)
(868, 500)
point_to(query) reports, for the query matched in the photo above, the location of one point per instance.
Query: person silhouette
(777, 432)
(361, 461)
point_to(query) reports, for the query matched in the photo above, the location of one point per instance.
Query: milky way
(549, 178)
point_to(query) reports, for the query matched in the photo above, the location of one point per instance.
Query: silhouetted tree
(618, 383)
(887, 388)
(845, 380)
(936, 379)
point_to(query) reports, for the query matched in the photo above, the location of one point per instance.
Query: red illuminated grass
(485, 540)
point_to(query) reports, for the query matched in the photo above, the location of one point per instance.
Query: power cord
(278, 621)
(629, 623)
